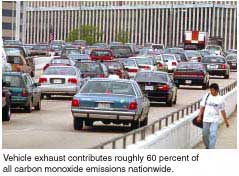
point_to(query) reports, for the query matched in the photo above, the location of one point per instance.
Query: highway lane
(52, 127)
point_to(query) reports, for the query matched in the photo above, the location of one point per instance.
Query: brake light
(101, 76)
(72, 80)
(160, 64)
(174, 63)
(132, 105)
(75, 103)
(133, 70)
(42, 80)
(164, 87)
(146, 67)
(24, 92)
(223, 66)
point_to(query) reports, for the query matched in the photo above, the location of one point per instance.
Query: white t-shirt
(214, 105)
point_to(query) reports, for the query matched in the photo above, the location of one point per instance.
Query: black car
(6, 102)
(232, 61)
(217, 65)
(157, 86)
(191, 74)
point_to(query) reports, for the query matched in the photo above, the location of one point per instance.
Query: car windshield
(145, 61)
(231, 57)
(14, 80)
(113, 65)
(101, 53)
(14, 60)
(60, 61)
(89, 67)
(168, 57)
(40, 47)
(192, 54)
(213, 60)
(130, 63)
(12, 51)
(151, 76)
(214, 48)
(60, 71)
(190, 66)
(109, 87)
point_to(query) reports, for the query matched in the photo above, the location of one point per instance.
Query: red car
(101, 54)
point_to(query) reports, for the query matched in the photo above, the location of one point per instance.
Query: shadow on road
(107, 129)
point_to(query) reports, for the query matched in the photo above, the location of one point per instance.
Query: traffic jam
(115, 83)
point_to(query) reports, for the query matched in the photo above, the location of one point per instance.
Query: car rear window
(40, 47)
(231, 57)
(214, 48)
(101, 53)
(60, 61)
(213, 60)
(146, 61)
(192, 54)
(151, 76)
(168, 57)
(89, 67)
(130, 63)
(110, 87)
(113, 65)
(194, 66)
(14, 60)
(14, 80)
(60, 71)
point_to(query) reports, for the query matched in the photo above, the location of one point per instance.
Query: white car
(60, 80)
(146, 63)
(171, 61)
(131, 67)
(215, 49)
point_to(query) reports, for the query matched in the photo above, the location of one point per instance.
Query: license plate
(212, 66)
(188, 81)
(57, 81)
(149, 88)
(234, 64)
(103, 105)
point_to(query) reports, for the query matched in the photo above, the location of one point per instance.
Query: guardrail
(140, 134)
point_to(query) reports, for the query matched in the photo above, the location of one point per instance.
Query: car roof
(150, 71)
(112, 79)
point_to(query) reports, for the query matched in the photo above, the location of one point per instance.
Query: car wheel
(226, 76)
(48, 96)
(38, 106)
(29, 107)
(134, 125)
(204, 86)
(177, 85)
(169, 102)
(78, 123)
(6, 113)
(144, 122)
(175, 100)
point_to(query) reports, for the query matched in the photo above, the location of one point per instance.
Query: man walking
(211, 105)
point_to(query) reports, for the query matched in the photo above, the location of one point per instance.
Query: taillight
(42, 80)
(101, 76)
(223, 66)
(132, 105)
(146, 67)
(75, 103)
(72, 80)
(163, 87)
(160, 64)
(174, 63)
(24, 92)
(133, 70)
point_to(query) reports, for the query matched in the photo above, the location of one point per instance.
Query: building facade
(144, 21)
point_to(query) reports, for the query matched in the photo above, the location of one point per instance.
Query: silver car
(60, 80)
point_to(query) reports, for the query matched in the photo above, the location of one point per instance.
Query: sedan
(117, 68)
(131, 66)
(193, 55)
(217, 65)
(157, 86)
(146, 63)
(110, 101)
(232, 61)
(60, 80)
(171, 61)
(191, 73)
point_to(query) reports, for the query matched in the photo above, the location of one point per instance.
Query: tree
(85, 32)
(123, 37)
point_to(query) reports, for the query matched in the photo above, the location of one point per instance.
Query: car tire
(6, 113)
(169, 103)
(28, 108)
(177, 85)
(144, 122)
(226, 76)
(175, 100)
(38, 106)
(78, 123)
(134, 125)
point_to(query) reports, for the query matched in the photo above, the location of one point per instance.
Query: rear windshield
(40, 47)
(231, 57)
(71, 51)
(60, 61)
(150, 76)
(14, 60)
(89, 67)
(60, 71)
(168, 57)
(146, 61)
(14, 80)
(130, 63)
(101, 53)
(12, 51)
(214, 48)
(192, 54)
(213, 60)
(108, 87)
(78, 56)
(113, 65)
(196, 66)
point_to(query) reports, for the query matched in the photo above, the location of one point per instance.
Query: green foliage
(123, 37)
(85, 32)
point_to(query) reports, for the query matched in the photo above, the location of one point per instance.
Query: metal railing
(140, 134)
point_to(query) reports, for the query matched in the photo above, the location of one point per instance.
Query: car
(146, 63)
(162, 66)
(6, 102)
(157, 86)
(191, 74)
(59, 61)
(133, 48)
(60, 80)
(78, 57)
(20, 64)
(70, 50)
(25, 92)
(215, 49)
(121, 51)
(131, 66)
(79, 44)
(232, 61)
(193, 55)
(101, 54)
(91, 69)
(217, 66)
(40, 50)
(117, 101)
(231, 51)
(117, 68)
(171, 61)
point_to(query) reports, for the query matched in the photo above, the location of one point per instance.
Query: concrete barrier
(182, 134)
